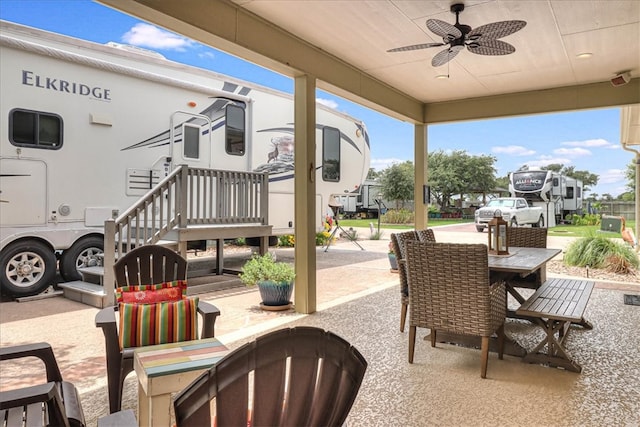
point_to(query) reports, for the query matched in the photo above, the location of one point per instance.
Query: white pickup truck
(515, 211)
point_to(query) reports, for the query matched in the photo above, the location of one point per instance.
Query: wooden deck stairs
(188, 205)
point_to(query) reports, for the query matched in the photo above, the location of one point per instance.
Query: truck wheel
(540, 223)
(479, 229)
(28, 268)
(86, 252)
(514, 222)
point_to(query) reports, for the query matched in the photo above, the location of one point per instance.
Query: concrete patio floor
(358, 299)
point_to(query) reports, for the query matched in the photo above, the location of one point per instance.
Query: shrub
(286, 240)
(289, 241)
(262, 268)
(399, 216)
(601, 252)
(322, 238)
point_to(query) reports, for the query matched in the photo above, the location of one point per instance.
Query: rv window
(191, 141)
(330, 154)
(569, 193)
(35, 129)
(235, 137)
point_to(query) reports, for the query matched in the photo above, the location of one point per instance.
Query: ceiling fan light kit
(482, 40)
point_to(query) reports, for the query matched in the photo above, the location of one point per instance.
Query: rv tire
(86, 252)
(28, 268)
(479, 229)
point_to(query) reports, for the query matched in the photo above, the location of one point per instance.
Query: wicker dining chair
(450, 291)
(398, 241)
(426, 235)
(525, 237)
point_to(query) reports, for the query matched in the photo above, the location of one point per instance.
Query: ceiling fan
(481, 41)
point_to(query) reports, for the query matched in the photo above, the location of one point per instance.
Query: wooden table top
(174, 358)
(522, 260)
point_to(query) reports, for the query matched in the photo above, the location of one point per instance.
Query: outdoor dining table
(519, 262)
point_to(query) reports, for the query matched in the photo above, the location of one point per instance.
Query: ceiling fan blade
(415, 47)
(443, 57)
(445, 30)
(490, 47)
(496, 30)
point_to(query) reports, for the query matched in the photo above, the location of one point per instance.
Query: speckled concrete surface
(358, 299)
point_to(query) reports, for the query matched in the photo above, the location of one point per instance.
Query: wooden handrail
(187, 196)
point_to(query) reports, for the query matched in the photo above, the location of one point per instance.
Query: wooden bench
(555, 306)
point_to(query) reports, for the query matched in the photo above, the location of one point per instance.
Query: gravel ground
(558, 267)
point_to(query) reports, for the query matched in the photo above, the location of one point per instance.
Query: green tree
(459, 173)
(630, 173)
(398, 182)
(373, 174)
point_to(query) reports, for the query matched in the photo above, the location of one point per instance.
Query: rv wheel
(86, 252)
(28, 268)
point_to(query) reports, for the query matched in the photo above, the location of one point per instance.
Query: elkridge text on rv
(31, 79)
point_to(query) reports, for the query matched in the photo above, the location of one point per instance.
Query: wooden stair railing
(185, 197)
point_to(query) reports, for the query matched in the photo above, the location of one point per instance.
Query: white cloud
(612, 176)
(513, 150)
(545, 161)
(590, 143)
(146, 35)
(572, 152)
(206, 55)
(327, 103)
(380, 164)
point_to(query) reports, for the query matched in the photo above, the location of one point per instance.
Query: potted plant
(392, 258)
(274, 280)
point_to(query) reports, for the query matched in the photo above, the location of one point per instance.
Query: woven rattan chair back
(299, 376)
(449, 291)
(426, 235)
(525, 237)
(398, 240)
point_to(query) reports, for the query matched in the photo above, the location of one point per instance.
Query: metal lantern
(498, 231)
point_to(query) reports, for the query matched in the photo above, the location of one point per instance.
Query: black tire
(514, 222)
(86, 252)
(540, 223)
(479, 229)
(28, 267)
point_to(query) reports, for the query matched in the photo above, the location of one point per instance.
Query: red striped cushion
(147, 294)
(160, 323)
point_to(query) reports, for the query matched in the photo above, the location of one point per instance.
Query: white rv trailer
(88, 128)
(558, 195)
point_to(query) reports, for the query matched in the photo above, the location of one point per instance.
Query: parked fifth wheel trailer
(558, 195)
(87, 129)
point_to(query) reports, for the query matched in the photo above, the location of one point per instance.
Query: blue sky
(588, 140)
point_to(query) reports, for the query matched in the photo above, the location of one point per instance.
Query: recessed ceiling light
(442, 76)
(584, 55)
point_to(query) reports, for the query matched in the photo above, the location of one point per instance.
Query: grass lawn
(560, 230)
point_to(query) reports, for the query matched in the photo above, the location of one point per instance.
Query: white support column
(305, 190)
(421, 174)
